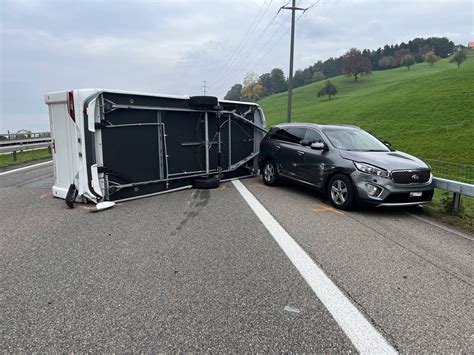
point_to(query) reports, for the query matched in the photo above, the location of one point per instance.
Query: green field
(23, 157)
(425, 111)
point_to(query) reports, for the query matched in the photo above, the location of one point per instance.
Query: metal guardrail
(25, 145)
(24, 141)
(457, 188)
(22, 147)
(16, 136)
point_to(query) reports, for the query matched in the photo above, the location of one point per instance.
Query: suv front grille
(405, 177)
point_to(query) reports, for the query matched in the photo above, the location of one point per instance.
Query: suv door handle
(277, 147)
(300, 152)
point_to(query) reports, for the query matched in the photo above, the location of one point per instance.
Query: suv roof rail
(315, 124)
(345, 125)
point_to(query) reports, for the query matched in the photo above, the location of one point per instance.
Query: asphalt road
(197, 270)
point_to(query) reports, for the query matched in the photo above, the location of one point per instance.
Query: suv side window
(279, 134)
(312, 136)
(295, 134)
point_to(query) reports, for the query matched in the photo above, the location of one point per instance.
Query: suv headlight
(370, 169)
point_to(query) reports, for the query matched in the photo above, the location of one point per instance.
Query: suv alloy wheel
(270, 173)
(341, 192)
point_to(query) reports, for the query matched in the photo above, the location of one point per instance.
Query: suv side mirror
(304, 143)
(318, 146)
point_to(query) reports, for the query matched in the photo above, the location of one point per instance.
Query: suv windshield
(354, 139)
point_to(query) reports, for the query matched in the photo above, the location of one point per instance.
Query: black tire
(71, 196)
(270, 173)
(341, 192)
(206, 183)
(203, 101)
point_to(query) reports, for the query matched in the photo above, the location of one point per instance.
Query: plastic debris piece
(103, 206)
(292, 309)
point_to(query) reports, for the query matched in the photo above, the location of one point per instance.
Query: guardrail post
(14, 155)
(456, 202)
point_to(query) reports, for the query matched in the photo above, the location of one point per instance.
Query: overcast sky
(171, 46)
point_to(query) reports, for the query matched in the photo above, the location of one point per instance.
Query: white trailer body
(118, 145)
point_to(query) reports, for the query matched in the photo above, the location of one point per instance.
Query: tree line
(354, 63)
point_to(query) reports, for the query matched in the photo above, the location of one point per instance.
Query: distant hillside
(426, 111)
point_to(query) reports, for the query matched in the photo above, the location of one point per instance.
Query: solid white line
(363, 335)
(25, 167)
(440, 226)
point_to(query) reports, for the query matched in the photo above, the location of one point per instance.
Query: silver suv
(345, 162)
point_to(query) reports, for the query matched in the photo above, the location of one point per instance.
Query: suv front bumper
(389, 193)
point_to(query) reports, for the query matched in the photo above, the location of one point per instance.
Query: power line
(245, 38)
(267, 44)
(274, 44)
(236, 70)
(238, 63)
(248, 54)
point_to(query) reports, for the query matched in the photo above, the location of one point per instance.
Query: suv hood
(386, 160)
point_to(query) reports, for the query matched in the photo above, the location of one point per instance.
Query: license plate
(416, 194)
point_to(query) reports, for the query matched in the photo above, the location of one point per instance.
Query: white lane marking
(25, 167)
(440, 226)
(366, 339)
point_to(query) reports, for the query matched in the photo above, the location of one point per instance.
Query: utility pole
(204, 87)
(293, 8)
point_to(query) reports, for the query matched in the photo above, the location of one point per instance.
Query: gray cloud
(171, 46)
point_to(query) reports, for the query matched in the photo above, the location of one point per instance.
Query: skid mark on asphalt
(262, 186)
(199, 200)
(322, 208)
(43, 196)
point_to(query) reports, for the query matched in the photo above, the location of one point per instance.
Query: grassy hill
(426, 111)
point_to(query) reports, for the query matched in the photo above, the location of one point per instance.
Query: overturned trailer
(111, 145)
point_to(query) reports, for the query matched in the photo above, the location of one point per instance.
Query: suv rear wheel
(341, 192)
(270, 173)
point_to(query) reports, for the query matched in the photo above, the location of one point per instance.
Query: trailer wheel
(206, 183)
(203, 101)
(71, 196)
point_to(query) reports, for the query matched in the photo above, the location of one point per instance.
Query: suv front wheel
(270, 173)
(341, 192)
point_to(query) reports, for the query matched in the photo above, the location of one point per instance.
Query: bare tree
(355, 64)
